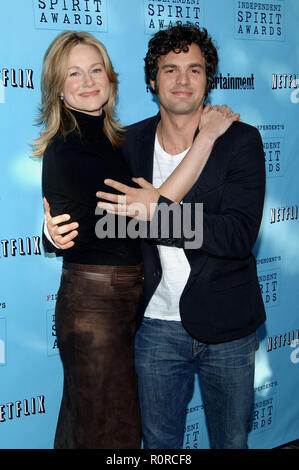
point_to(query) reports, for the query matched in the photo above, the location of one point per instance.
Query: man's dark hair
(177, 39)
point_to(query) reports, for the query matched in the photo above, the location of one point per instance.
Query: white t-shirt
(164, 304)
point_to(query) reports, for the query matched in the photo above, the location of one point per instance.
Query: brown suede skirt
(95, 326)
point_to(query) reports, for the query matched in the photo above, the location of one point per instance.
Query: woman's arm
(232, 229)
(140, 203)
(174, 188)
(213, 123)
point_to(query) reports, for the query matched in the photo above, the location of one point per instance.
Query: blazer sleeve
(233, 230)
(48, 244)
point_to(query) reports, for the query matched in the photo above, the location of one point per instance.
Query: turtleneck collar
(90, 126)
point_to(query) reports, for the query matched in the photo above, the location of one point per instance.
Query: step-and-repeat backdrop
(258, 43)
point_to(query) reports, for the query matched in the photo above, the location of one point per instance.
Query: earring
(61, 98)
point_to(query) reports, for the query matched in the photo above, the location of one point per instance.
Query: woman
(101, 278)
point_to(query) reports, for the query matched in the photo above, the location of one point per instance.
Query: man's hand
(57, 233)
(138, 203)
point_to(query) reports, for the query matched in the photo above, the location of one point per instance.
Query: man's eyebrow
(168, 65)
(196, 64)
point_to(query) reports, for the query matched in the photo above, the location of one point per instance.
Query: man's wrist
(47, 234)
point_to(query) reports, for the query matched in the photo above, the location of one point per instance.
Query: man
(201, 307)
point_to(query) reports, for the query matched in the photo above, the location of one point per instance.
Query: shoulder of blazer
(144, 127)
(239, 135)
(241, 131)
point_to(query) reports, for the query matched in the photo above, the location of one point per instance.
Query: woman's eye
(74, 74)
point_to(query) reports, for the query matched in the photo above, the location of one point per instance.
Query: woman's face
(86, 87)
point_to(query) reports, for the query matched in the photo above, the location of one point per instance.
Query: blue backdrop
(258, 76)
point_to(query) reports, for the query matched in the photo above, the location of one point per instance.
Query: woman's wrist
(206, 136)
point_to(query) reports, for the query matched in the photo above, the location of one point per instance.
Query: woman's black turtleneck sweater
(73, 171)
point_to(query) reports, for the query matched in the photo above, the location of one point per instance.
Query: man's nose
(183, 77)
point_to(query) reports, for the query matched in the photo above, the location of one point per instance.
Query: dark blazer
(221, 300)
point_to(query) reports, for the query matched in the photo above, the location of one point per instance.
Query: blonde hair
(54, 115)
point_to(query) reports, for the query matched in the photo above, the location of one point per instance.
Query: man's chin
(183, 109)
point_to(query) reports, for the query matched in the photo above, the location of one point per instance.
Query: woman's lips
(89, 94)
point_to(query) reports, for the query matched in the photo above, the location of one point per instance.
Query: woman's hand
(215, 120)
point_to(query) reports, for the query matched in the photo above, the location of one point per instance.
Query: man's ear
(153, 83)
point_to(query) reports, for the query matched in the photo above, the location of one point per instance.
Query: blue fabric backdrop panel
(258, 76)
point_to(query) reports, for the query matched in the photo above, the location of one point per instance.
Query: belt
(108, 274)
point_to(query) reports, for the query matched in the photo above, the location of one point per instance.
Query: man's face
(181, 81)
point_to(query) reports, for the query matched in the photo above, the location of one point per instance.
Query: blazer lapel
(144, 150)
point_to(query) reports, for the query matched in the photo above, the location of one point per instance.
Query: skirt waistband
(109, 274)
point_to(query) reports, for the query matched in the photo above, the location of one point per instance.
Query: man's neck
(176, 132)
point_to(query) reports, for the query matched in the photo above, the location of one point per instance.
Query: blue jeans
(166, 359)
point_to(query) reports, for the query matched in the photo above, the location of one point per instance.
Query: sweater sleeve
(69, 183)
(68, 178)
(72, 173)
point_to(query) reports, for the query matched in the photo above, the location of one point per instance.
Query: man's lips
(184, 93)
